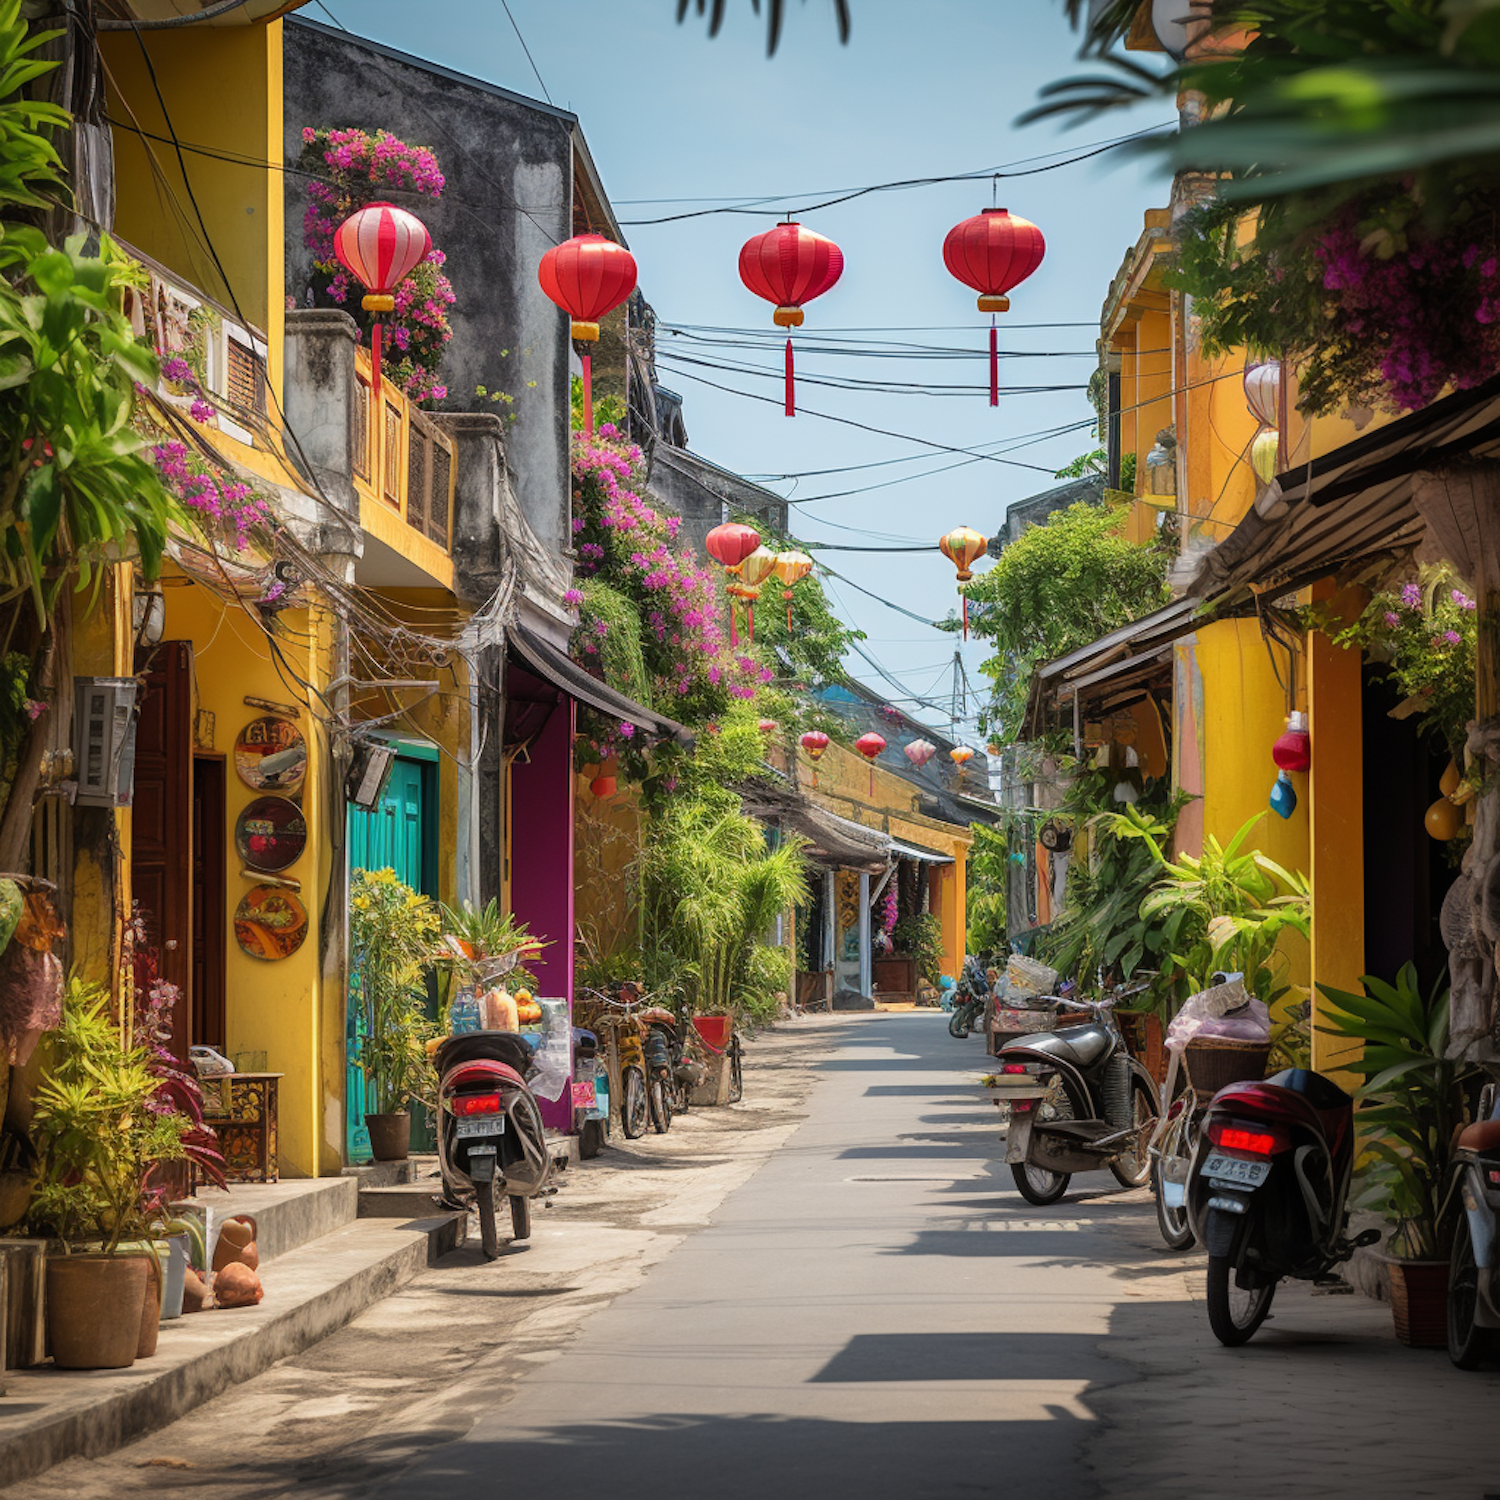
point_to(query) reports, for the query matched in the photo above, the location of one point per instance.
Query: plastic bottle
(464, 1014)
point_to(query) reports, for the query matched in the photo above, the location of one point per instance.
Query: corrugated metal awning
(904, 850)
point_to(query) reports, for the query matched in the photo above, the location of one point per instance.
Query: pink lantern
(919, 752)
(870, 746)
(380, 245)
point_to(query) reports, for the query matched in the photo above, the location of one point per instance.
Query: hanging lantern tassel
(376, 302)
(994, 362)
(587, 333)
(789, 317)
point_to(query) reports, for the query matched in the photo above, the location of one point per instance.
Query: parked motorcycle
(1078, 1102)
(972, 991)
(491, 1141)
(1473, 1282)
(1267, 1192)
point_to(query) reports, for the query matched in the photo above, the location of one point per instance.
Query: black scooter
(968, 1008)
(1078, 1101)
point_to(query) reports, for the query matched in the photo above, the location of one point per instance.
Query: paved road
(876, 1312)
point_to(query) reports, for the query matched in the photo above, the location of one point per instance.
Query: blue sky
(921, 90)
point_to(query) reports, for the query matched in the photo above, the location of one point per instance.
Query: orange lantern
(753, 572)
(791, 567)
(870, 746)
(962, 546)
(960, 755)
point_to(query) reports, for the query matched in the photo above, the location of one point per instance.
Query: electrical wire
(527, 50)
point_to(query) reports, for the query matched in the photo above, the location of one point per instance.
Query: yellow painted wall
(281, 1007)
(606, 844)
(222, 87)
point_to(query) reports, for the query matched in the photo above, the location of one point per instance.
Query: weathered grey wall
(508, 165)
(698, 491)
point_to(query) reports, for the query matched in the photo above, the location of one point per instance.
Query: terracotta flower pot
(390, 1136)
(145, 1345)
(94, 1306)
(1419, 1301)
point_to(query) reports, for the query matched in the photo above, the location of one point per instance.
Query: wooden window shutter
(245, 381)
(359, 429)
(391, 479)
(417, 475)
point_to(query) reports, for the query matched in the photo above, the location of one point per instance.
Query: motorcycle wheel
(520, 1217)
(1039, 1185)
(590, 1139)
(1133, 1169)
(1177, 1146)
(736, 1072)
(1234, 1314)
(1468, 1344)
(489, 1231)
(634, 1110)
(661, 1107)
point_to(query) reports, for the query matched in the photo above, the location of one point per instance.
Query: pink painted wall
(541, 853)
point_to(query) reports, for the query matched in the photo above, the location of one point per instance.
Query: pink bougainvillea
(350, 168)
(222, 506)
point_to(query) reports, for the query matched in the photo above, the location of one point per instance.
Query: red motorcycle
(1266, 1192)
(491, 1141)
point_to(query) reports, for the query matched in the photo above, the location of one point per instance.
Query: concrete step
(287, 1214)
(310, 1292)
(402, 1200)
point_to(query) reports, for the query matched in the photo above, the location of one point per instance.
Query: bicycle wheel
(489, 1231)
(736, 1072)
(661, 1106)
(1170, 1171)
(635, 1112)
(1132, 1168)
(1233, 1312)
(1468, 1345)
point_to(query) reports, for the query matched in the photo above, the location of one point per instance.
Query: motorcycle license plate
(1235, 1171)
(480, 1126)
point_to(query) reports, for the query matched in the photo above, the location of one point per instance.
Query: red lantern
(1293, 751)
(790, 265)
(380, 245)
(729, 545)
(587, 276)
(870, 746)
(993, 252)
(815, 742)
(769, 726)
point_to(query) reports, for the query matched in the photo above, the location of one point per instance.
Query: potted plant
(1413, 1098)
(101, 1133)
(393, 936)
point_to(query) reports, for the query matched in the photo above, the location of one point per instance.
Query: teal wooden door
(398, 834)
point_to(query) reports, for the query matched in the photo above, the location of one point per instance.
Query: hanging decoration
(769, 726)
(870, 746)
(729, 545)
(380, 245)
(993, 252)
(754, 571)
(815, 742)
(791, 568)
(790, 265)
(961, 547)
(587, 276)
(1263, 396)
(919, 752)
(1293, 750)
(960, 755)
(1283, 796)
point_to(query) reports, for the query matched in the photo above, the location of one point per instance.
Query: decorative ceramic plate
(270, 923)
(271, 755)
(271, 833)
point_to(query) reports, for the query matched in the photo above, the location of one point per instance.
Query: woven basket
(1419, 1301)
(1214, 1063)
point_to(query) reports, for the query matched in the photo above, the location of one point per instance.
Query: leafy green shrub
(920, 936)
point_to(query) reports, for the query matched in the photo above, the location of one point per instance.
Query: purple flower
(627, 731)
(201, 411)
(1411, 595)
(1452, 637)
(573, 596)
(1462, 600)
(1392, 618)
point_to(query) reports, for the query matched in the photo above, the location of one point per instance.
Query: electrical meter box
(104, 740)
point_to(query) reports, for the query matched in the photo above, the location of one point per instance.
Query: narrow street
(857, 1304)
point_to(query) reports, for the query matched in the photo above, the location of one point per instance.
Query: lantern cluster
(737, 549)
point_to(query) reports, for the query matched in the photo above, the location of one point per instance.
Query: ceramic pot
(94, 1306)
(390, 1136)
(1419, 1301)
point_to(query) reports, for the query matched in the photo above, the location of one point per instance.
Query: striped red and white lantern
(380, 245)
(789, 265)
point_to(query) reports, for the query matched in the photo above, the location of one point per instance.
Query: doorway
(209, 918)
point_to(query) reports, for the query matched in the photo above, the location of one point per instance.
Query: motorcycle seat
(506, 1047)
(1087, 1044)
(1482, 1135)
(1320, 1092)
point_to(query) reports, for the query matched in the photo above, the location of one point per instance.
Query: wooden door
(161, 865)
(209, 916)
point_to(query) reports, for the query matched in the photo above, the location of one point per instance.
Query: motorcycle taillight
(475, 1104)
(1014, 1068)
(1247, 1136)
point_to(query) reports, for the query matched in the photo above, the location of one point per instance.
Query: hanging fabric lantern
(961, 547)
(960, 755)
(870, 746)
(919, 752)
(815, 742)
(1262, 384)
(791, 568)
(1283, 796)
(754, 571)
(380, 245)
(769, 726)
(993, 252)
(729, 545)
(1264, 449)
(587, 276)
(790, 265)
(1293, 751)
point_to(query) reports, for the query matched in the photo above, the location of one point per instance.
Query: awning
(915, 851)
(1113, 671)
(834, 841)
(1351, 507)
(565, 674)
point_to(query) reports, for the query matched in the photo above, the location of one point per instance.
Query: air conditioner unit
(104, 740)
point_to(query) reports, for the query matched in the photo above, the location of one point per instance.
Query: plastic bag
(553, 1055)
(1227, 1012)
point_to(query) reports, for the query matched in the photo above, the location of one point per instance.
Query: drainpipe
(865, 973)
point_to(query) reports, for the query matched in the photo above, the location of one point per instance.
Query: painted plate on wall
(271, 755)
(271, 833)
(270, 923)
